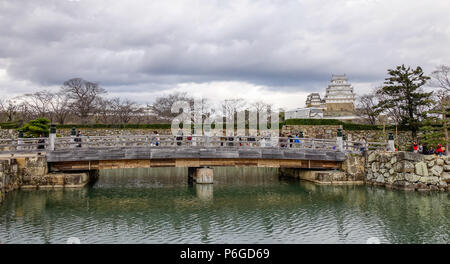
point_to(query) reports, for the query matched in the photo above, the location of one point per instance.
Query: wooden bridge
(131, 151)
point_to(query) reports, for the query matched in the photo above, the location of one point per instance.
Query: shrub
(36, 127)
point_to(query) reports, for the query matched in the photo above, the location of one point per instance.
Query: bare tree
(232, 106)
(367, 108)
(10, 108)
(59, 106)
(39, 103)
(261, 106)
(83, 95)
(103, 111)
(124, 110)
(441, 80)
(162, 106)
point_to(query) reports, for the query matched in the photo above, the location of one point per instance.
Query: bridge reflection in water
(169, 177)
(248, 205)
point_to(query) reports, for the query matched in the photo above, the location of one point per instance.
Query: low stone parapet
(408, 171)
(31, 172)
(321, 176)
(56, 180)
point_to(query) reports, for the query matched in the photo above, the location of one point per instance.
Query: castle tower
(313, 100)
(339, 97)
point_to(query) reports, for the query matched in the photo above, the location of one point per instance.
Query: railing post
(339, 140)
(344, 141)
(73, 134)
(19, 140)
(52, 137)
(391, 142)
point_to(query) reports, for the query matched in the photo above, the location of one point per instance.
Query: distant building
(302, 113)
(314, 100)
(339, 97)
(338, 103)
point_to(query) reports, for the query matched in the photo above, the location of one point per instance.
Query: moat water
(244, 205)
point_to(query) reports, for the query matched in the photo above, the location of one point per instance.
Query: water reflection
(204, 191)
(244, 205)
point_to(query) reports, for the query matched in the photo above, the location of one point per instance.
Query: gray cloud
(154, 45)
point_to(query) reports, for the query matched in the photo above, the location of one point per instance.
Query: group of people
(424, 149)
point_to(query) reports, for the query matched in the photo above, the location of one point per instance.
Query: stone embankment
(350, 172)
(408, 171)
(32, 173)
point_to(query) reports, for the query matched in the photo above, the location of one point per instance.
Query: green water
(244, 205)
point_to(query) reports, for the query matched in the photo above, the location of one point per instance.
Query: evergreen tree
(36, 127)
(403, 98)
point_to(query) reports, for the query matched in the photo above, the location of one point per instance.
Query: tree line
(80, 101)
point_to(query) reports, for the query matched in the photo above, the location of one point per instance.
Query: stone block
(393, 160)
(446, 167)
(446, 177)
(442, 184)
(375, 166)
(372, 157)
(436, 170)
(421, 187)
(380, 179)
(408, 166)
(412, 177)
(428, 157)
(440, 162)
(434, 188)
(411, 156)
(421, 169)
(398, 167)
(429, 180)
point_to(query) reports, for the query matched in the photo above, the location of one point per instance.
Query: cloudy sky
(272, 50)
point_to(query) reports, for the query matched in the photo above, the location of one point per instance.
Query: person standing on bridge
(179, 137)
(363, 145)
(155, 138)
(41, 143)
(290, 140)
(78, 139)
(296, 140)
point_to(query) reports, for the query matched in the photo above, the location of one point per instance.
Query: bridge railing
(34, 145)
(23, 145)
(194, 141)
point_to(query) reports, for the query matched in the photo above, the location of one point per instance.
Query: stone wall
(408, 171)
(32, 172)
(9, 177)
(351, 172)
(12, 133)
(8, 133)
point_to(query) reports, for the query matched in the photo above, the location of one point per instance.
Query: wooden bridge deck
(134, 157)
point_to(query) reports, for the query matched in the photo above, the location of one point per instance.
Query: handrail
(215, 141)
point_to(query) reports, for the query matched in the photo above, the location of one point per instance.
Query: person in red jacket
(439, 150)
(415, 147)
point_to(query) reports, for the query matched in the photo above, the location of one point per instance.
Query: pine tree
(403, 98)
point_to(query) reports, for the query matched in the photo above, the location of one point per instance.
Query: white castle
(338, 103)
